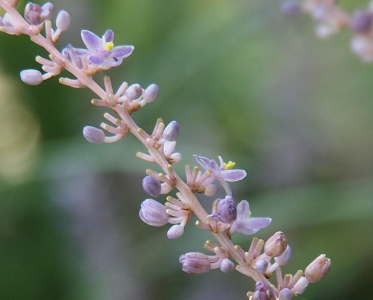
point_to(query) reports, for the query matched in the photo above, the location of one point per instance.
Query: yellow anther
(229, 165)
(249, 213)
(109, 46)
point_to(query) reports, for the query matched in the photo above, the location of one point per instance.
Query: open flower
(244, 223)
(222, 173)
(101, 52)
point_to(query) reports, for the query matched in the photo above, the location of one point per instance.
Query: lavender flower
(101, 52)
(246, 225)
(227, 211)
(222, 173)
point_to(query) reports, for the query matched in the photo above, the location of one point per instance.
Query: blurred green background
(244, 82)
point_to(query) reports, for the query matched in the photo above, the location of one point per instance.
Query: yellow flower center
(229, 165)
(109, 46)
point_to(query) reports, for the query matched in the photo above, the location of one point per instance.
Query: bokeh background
(244, 82)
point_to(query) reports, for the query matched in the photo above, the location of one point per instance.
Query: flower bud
(36, 15)
(275, 245)
(31, 77)
(226, 265)
(175, 232)
(63, 20)
(151, 93)
(318, 269)
(261, 265)
(195, 263)
(285, 294)
(362, 21)
(176, 157)
(151, 186)
(300, 286)
(171, 132)
(227, 210)
(284, 258)
(291, 8)
(153, 213)
(133, 92)
(211, 190)
(93, 135)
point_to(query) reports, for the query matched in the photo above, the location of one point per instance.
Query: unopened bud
(36, 15)
(93, 135)
(175, 232)
(195, 263)
(275, 245)
(284, 258)
(318, 269)
(63, 20)
(171, 132)
(300, 286)
(151, 93)
(227, 210)
(151, 186)
(133, 92)
(226, 265)
(362, 21)
(31, 77)
(176, 157)
(153, 213)
(285, 294)
(261, 265)
(211, 190)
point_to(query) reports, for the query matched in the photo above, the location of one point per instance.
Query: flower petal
(108, 36)
(243, 209)
(90, 40)
(233, 175)
(121, 52)
(96, 59)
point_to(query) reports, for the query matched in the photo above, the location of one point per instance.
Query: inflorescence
(262, 259)
(331, 19)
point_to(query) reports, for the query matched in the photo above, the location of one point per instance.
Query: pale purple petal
(121, 52)
(243, 209)
(90, 40)
(233, 175)
(82, 52)
(257, 223)
(108, 36)
(96, 60)
(203, 162)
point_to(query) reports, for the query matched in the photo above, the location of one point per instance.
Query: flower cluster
(331, 19)
(226, 217)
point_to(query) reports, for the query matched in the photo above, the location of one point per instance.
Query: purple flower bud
(31, 77)
(211, 190)
(285, 294)
(226, 265)
(151, 186)
(36, 15)
(318, 269)
(63, 20)
(133, 92)
(300, 286)
(260, 295)
(93, 134)
(153, 213)
(261, 265)
(176, 157)
(171, 132)
(195, 263)
(291, 8)
(284, 258)
(275, 245)
(227, 210)
(362, 21)
(175, 232)
(151, 93)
